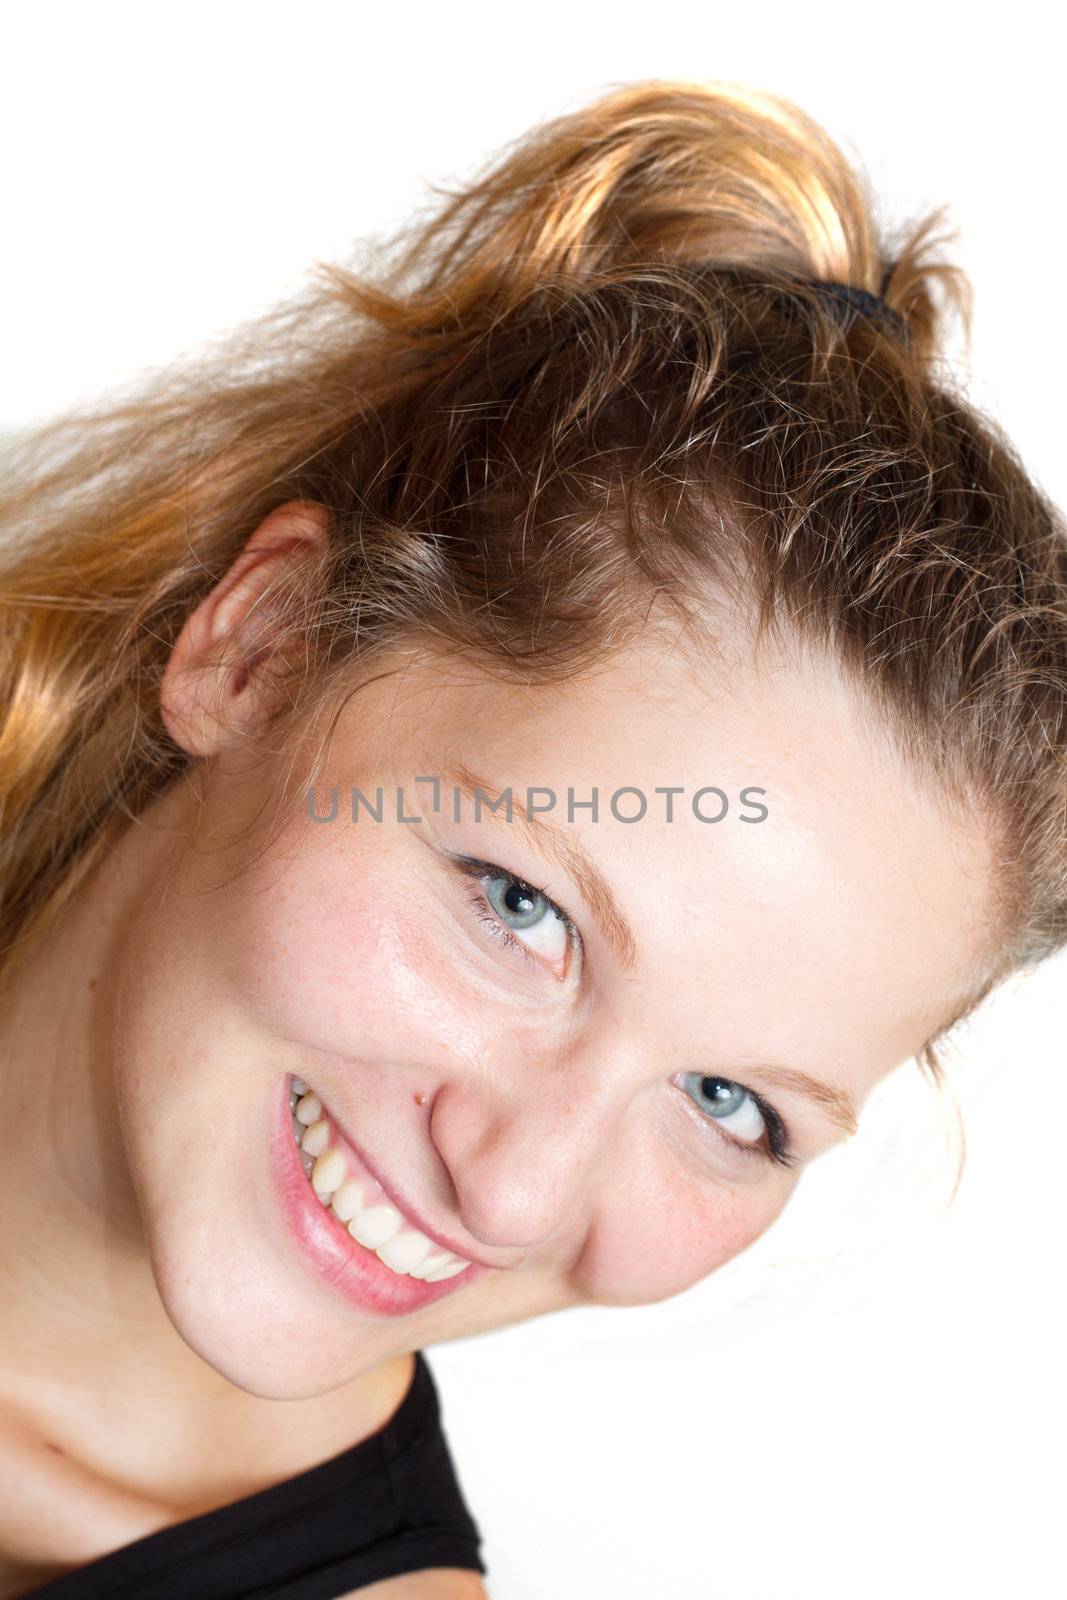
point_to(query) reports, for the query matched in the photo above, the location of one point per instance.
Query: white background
(870, 1400)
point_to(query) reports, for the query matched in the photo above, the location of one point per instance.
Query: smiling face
(576, 1108)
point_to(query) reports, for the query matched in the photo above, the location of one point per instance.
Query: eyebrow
(564, 849)
(837, 1103)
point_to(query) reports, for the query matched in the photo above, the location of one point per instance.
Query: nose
(522, 1156)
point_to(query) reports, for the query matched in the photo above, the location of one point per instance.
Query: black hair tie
(865, 304)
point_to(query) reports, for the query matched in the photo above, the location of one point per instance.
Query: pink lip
(352, 1270)
(402, 1205)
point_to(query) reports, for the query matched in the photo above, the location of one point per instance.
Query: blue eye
(520, 915)
(728, 1103)
(517, 904)
(749, 1120)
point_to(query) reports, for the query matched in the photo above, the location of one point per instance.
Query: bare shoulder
(436, 1583)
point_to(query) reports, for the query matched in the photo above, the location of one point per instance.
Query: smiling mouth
(356, 1202)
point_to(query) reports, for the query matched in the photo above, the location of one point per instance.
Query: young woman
(497, 763)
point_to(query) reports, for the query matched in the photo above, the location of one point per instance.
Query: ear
(206, 703)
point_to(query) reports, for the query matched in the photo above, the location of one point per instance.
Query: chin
(236, 1320)
(229, 1277)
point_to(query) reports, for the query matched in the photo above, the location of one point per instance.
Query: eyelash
(471, 867)
(778, 1147)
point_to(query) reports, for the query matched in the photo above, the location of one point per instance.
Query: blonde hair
(605, 368)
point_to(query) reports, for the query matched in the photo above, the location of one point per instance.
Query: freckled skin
(531, 1116)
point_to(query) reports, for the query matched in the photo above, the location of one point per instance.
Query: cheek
(655, 1237)
(336, 954)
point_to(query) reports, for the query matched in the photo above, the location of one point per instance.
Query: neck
(76, 1285)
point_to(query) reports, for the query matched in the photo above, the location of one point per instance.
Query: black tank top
(390, 1504)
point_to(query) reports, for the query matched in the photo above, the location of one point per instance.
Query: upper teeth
(378, 1227)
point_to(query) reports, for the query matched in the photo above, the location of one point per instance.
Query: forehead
(851, 917)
